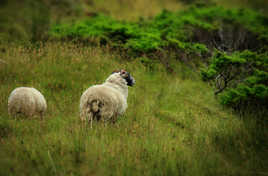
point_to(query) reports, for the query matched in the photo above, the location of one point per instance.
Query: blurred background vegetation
(30, 20)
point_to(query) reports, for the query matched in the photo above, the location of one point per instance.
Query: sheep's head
(126, 75)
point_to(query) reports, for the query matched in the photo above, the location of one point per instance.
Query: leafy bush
(241, 77)
(142, 37)
(235, 29)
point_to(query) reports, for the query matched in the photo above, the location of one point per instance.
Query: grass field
(173, 124)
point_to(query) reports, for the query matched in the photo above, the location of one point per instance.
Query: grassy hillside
(173, 125)
(233, 42)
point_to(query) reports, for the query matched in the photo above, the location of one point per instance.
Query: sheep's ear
(122, 71)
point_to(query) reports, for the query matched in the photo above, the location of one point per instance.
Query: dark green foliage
(122, 34)
(241, 77)
(163, 32)
(236, 29)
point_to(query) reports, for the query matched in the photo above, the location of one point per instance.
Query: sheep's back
(40, 101)
(112, 101)
(26, 101)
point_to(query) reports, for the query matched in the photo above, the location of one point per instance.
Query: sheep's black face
(126, 75)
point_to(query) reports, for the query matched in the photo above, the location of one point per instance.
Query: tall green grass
(173, 124)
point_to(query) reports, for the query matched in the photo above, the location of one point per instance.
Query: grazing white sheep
(26, 101)
(107, 101)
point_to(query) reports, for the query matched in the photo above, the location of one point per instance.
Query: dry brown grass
(133, 9)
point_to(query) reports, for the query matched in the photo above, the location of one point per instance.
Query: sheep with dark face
(26, 101)
(105, 102)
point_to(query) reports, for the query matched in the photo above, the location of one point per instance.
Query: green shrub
(181, 30)
(241, 78)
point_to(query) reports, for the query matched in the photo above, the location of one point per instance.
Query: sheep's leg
(114, 118)
(91, 121)
(83, 118)
(90, 118)
(42, 115)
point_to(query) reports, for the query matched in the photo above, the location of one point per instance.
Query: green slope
(173, 125)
